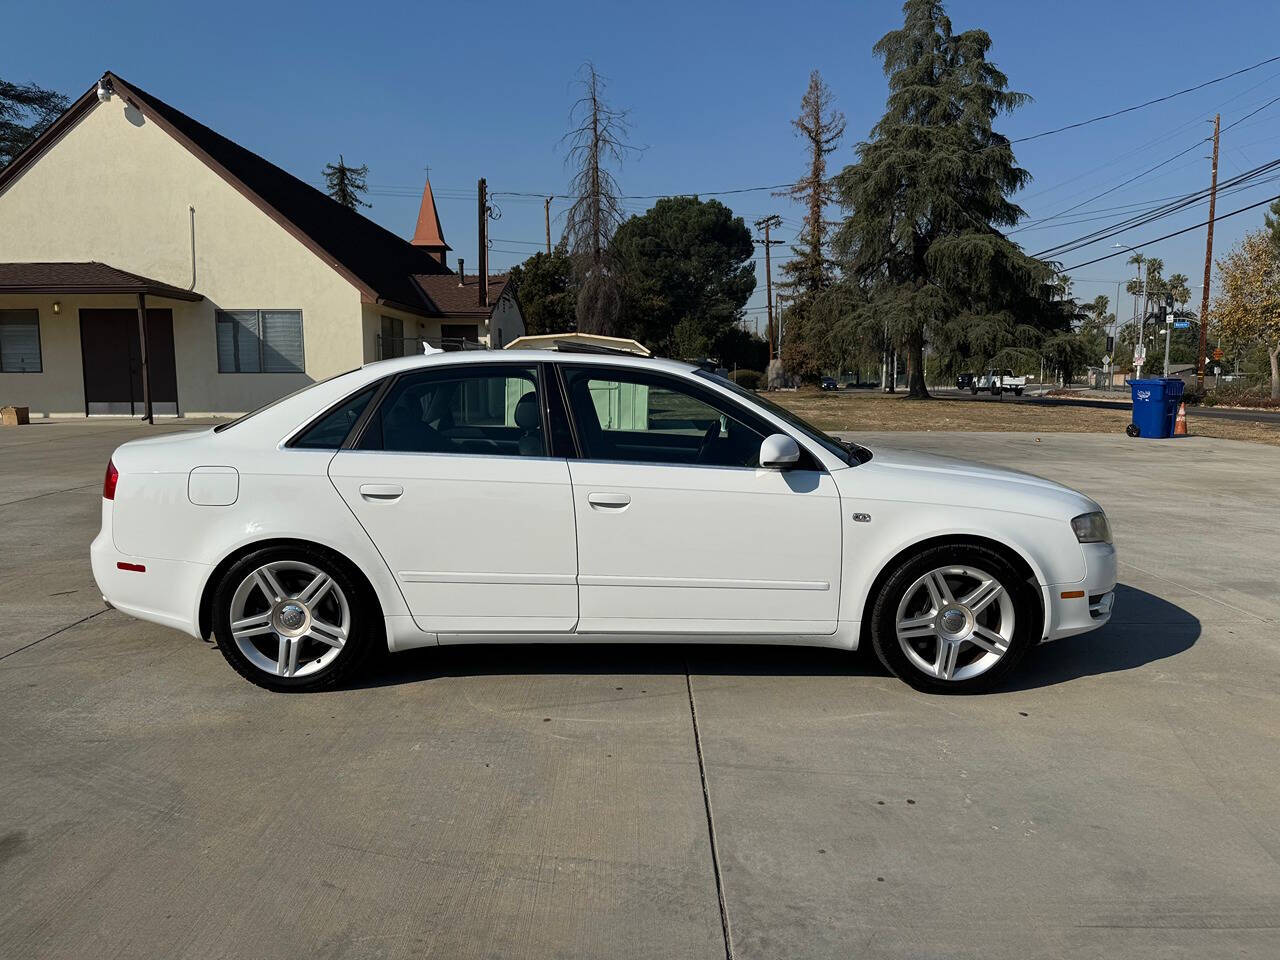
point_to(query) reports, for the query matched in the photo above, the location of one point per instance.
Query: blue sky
(483, 90)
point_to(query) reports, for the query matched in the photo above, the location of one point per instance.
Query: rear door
(453, 481)
(679, 530)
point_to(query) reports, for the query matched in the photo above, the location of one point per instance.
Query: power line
(1123, 183)
(1159, 213)
(1168, 96)
(1176, 233)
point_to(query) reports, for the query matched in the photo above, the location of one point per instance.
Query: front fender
(1047, 547)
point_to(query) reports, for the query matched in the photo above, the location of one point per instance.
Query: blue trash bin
(1155, 407)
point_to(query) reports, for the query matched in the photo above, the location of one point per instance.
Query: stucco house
(145, 256)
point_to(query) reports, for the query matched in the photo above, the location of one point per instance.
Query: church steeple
(428, 234)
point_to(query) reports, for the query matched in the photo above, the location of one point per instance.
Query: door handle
(610, 501)
(381, 492)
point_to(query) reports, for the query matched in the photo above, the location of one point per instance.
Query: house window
(20, 341)
(259, 341)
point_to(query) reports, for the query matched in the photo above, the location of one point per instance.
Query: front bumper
(1087, 603)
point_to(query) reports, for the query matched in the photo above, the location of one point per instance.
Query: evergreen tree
(25, 111)
(686, 273)
(544, 288)
(347, 184)
(928, 197)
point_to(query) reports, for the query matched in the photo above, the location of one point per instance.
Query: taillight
(109, 482)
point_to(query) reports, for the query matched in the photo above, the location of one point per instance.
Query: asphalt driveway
(1118, 799)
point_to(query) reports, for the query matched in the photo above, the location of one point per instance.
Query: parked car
(829, 383)
(478, 497)
(964, 381)
(998, 381)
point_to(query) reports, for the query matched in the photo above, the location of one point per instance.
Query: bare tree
(597, 142)
(821, 126)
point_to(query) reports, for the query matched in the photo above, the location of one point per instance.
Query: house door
(110, 350)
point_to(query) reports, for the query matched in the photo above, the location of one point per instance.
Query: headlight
(1092, 528)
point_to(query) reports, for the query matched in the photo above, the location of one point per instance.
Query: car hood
(913, 476)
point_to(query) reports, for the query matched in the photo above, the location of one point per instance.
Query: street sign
(1217, 353)
(1139, 353)
(1106, 361)
(1182, 324)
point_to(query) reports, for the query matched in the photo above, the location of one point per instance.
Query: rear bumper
(1088, 603)
(163, 591)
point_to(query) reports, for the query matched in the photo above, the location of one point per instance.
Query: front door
(679, 530)
(453, 482)
(112, 355)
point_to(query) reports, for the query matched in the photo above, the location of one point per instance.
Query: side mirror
(779, 451)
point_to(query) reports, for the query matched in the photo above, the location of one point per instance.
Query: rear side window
(464, 409)
(329, 431)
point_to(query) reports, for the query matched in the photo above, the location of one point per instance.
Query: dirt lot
(868, 410)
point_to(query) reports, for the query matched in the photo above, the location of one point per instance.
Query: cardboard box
(14, 416)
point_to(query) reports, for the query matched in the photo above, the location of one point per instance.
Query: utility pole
(546, 211)
(482, 194)
(766, 224)
(1208, 259)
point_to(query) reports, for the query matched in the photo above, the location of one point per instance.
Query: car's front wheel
(953, 619)
(293, 618)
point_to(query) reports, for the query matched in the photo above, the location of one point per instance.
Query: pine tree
(25, 111)
(928, 197)
(347, 184)
(821, 127)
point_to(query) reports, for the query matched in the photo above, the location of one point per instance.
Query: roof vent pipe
(462, 276)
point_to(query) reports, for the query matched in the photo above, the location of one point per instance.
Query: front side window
(20, 341)
(631, 415)
(259, 341)
(849, 453)
(462, 409)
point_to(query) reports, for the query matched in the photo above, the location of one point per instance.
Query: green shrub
(747, 379)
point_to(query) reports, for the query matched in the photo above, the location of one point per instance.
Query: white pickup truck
(997, 381)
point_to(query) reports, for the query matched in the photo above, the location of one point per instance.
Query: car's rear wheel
(293, 618)
(953, 619)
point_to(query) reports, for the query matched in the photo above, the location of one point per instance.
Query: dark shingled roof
(450, 297)
(86, 277)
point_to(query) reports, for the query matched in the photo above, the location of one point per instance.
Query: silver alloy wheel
(289, 618)
(955, 622)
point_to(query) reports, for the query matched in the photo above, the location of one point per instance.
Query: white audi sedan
(568, 496)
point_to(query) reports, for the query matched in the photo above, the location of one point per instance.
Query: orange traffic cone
(1180, 425)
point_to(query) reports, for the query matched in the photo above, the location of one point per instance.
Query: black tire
(1133, 430)
(974, 391)
(995, 391)
(363, 637)
(1017, 391)
(884, 638)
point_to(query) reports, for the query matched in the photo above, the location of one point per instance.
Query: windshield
(850, 453)
(267, 406)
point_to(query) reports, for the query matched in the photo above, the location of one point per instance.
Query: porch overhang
(87, 277)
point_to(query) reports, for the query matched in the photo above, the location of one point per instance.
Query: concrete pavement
(1116, 800)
